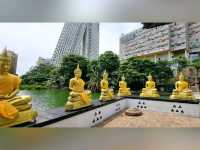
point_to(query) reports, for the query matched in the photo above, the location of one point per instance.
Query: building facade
(14, 58)
(163, 42)
(79, 39)
(42, 60)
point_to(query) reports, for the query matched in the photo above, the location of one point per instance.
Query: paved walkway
(197, 95)
(150, 120)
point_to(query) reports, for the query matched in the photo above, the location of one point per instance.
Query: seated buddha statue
(150, 89)
(123, 90)
(14, 109)
(106, 92)
(182, 90)
(78, 97)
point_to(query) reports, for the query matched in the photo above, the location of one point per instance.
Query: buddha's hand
(11, 95)
(2, 97)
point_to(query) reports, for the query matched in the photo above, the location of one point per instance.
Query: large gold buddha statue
(123, 90)
(78, 97)
(106, 92)
(150, 88)
(14, 109)
(182, 90)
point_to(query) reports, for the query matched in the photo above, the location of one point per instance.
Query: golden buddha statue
(78, 97)
(106, 92)
(150, 88)
(182, 90)
(14, 109)
(123, 90)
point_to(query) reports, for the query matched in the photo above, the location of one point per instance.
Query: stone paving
(197, 95)
(150, 120)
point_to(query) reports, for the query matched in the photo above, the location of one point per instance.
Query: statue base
(106, 95)
(76, 105)
(105, 98)
(24, 116)
(185, 95)
(128, 93)
(150, 93)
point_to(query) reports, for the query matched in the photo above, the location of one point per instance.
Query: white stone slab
(96, 116)
(93, 117)
(173, 107)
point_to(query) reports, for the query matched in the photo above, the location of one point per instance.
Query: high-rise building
(77, 38)
(162, 42)
(42, 60)
(13, 65)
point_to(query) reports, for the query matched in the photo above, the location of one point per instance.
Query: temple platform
(150, 119)
(96, 114)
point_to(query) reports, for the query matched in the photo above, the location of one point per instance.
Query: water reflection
(46, 99)
(43, 100)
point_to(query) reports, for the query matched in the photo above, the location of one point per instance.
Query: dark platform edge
(165, 99)
(60, 114)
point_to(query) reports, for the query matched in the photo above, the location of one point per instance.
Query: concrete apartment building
(14, 58)
(163, 42)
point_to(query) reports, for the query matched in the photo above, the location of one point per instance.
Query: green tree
(136, 72)
(196, 64)
(38, 75)
(110, 62)
(69, 63)
(56, 80)
(163, 75)
(94, 76)
(181, 63)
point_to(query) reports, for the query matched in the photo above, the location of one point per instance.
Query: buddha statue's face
(105, 76)
(181, 78)
(78, 74)
(123, 78)
(4, 66)
(150, 78)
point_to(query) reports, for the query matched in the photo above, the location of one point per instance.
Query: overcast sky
(31, 40)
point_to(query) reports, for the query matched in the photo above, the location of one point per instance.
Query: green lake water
(43, 100)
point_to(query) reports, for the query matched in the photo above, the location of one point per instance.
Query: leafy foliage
(137, 70)
(110, 62)
(69, 63)
(181, 63)
(94, 76)
(196, 63)
(38, 75)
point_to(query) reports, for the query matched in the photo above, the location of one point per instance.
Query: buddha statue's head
(77, 72)
(181, 77)
(123, 78)
(105, 75)
(150, 78)
(4, 61)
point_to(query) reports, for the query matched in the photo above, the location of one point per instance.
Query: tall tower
(77, 38)
(13, 65)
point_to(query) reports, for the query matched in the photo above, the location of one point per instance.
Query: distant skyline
(33, 40)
